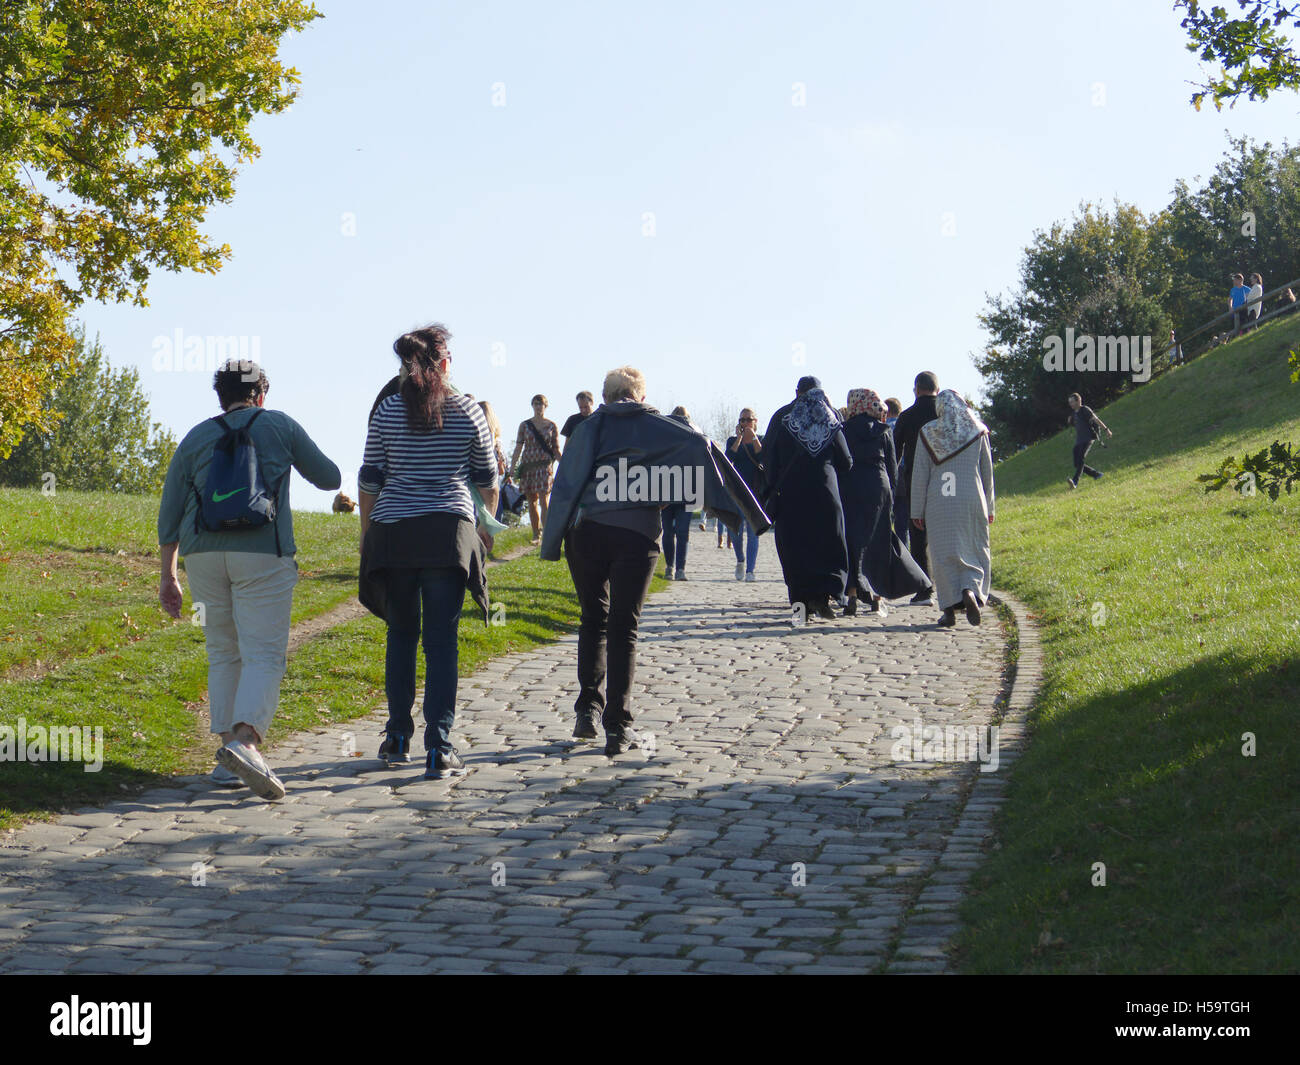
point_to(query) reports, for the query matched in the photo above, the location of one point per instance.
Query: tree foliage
(1269, 470)
(1101, 275)
(103, 439)
(120, 124)
(1254, 56)
(1126, 274)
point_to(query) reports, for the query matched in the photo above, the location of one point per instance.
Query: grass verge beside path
(1171, 636)
(145, 688)
(80, 573)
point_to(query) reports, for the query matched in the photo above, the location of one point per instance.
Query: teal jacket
(282, 444)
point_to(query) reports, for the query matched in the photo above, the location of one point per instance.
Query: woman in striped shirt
(417, 524)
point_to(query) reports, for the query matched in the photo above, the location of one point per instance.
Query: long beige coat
(955, 498)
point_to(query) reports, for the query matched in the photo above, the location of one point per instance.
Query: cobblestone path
(771, 828)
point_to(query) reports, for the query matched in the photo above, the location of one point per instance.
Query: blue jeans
(440, 593)
(676, 522)
(746, 554)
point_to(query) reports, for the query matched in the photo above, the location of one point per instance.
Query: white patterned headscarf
(956, 427)
(812, 421)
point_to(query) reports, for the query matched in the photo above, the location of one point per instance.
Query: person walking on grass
(952, 502)
(420, 550)
(1086, 433)
(225, 508)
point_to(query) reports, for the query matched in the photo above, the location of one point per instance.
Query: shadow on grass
(1127, 779)
(37, 789)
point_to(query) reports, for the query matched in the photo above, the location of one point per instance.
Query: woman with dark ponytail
(426, 442)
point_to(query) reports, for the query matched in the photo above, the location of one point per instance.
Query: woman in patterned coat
(952, 500)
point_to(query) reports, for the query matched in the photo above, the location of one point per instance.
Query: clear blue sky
(775, 225)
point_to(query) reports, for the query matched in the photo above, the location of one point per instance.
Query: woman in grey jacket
(605, 511)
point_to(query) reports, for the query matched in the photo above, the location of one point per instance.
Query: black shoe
(949, 619)
(585, 728)
(852, 608)
(395, 749)
(972, 607)
(824, 610)
(439, 764)
(925, 598)
(619, 741)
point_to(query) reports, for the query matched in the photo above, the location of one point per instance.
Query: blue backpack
(235, 495)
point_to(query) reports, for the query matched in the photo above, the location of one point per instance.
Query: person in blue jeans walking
(423, 446)
(675, 521)
(745, 450)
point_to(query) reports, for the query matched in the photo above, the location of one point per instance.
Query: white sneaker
(681, 575)
(668, 574)
(740, 571)
(750, 576)
(248, 764)
(223, 778)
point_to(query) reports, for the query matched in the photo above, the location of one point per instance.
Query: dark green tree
(1102, 276)
(103, 438)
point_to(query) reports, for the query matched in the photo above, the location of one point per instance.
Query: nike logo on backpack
(217, 497)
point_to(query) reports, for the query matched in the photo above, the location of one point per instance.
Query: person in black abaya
(804, 454)
(880, 567)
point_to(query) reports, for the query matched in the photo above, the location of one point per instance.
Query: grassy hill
(1171, 622)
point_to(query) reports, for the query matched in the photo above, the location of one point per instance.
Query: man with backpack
(225, 507)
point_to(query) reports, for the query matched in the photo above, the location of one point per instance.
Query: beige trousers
(243, 600)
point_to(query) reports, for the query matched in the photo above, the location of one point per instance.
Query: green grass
(143, 682)
(1171, 630)
(80, 573)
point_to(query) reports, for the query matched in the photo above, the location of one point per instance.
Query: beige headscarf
(954, 430)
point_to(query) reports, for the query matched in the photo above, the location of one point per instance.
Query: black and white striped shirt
(426, 473)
